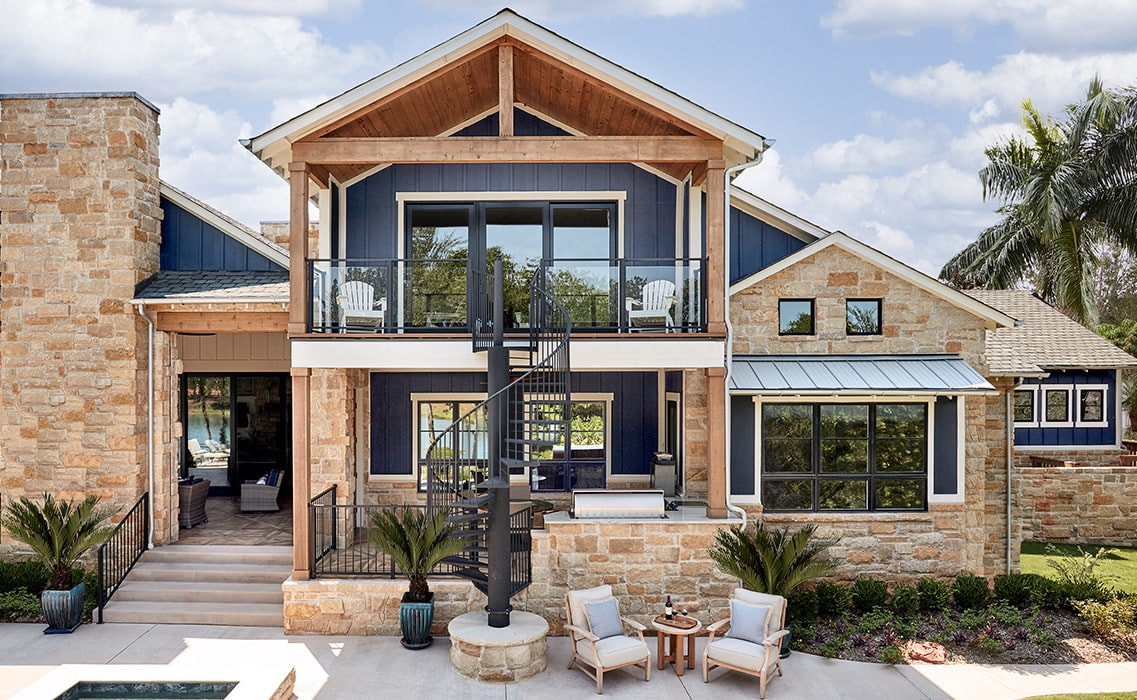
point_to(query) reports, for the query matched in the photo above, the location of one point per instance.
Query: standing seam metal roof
(855, 374)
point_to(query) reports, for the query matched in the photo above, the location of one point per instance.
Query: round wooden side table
(670, 641)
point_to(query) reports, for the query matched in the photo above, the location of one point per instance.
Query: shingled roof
(1047, 339)
(199, 286)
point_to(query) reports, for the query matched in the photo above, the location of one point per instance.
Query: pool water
(146, 690)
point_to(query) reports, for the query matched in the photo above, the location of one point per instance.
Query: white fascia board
(774, 215)
(211, 217)
(275, 144)
(456, 355)
(887, 263)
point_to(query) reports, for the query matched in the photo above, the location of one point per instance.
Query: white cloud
(990, 110)
(1050, 82)
(57, 45)
(769, 181)
(201, 155)
(1094, 25)
(864, 153)
(540, 10)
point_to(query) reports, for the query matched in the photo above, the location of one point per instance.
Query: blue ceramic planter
(63, 610)
(414, 621)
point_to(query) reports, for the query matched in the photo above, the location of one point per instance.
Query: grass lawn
(1087, 696)
(1122, 566)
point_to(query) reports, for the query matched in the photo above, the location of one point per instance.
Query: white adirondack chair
(653, 308)
(359, 307)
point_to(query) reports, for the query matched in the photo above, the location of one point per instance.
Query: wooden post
(716, 442)
(301, 472)
(716, 247)
(505, 90)
(298, 248)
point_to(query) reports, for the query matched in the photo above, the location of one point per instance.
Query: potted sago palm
(417, 542)
(59, 533)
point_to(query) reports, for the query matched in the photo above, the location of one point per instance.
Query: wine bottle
(668, 610)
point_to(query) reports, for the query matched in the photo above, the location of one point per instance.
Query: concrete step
(190, 592)
(221, 554)
(212, 573)
(187, 613)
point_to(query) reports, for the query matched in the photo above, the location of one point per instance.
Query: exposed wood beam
(297, 246)
(716, 247)
(222, 321)
(301, 470)
(716, 442)
(517, 149)
(505, 90)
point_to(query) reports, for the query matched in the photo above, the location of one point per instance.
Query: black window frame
(879, 317)
(871, 476)
(812, 317)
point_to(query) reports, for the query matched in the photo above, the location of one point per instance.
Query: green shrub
(935, 595)
(868, 594)
(30, 576)
(1106, 620)
(18, 605)
(1077, 576)
(875, 621)
(891, 654)
(801, 605)
(1043, 591)
(905, 599)
(970, 591)
(1006, 614)
(1013, 588)
(832, 598)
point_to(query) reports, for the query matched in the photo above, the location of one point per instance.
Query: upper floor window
(795, 317)
(1024, 408)
(1061, 406)
(1091, 405)
(1056, 407)
(862, 316)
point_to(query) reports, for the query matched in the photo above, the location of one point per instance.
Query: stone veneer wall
(1075, 505)
(333, 430)
(643, 561)
(913, 322)
(1084, 457)
(79, 229)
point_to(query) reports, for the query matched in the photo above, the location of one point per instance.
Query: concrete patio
(331, 668)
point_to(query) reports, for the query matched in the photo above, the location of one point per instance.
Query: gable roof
(559, 57)
(1047, 339)
(772, 214)
(230, 227)
(992, 316)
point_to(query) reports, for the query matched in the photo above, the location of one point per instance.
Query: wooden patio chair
(596, 631)
(653, 308)
(753, 643)
(359, 307)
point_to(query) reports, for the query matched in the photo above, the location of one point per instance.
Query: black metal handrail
(118, 555)
(322, 527)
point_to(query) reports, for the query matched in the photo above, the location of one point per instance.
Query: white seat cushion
(577, 599)
(614, 651)
(776, 602)
(738, 652)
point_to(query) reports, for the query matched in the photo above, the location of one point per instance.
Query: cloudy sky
(881, 109)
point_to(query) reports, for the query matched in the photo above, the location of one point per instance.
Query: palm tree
(773, 560)
(417, 542)
(59, 532)
(1068, 189)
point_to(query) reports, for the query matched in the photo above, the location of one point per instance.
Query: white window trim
(1069, 422)
(929, 452)
(416, 399)
(1033, 389)
(1105, 405)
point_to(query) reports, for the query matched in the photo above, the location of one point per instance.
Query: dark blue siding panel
(741, 446)
(674, 382)
(634, 430)
(754, 244)
(1074, 436)
(649, 226)
(487, 126)
(188, 243)
(525, 124)
(945, 451)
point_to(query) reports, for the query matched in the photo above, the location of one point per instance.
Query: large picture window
(844, 457)
(432, 418)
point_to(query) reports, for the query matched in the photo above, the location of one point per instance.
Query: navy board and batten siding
(649, 210)
(755, 244)
(524, 124)
(633, 430)
(188, 243)
(944, 453)
(1073, 436)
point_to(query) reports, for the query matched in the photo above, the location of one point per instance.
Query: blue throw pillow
(273, 475)
(748, 622)
(604, 618)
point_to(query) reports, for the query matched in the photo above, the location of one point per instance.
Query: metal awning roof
(855, 375)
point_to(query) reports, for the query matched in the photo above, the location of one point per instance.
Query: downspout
(149, 422)
(729, 175)
(1010, 459)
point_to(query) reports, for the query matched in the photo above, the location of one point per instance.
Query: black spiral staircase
(527, 413)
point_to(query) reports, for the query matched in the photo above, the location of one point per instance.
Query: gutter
(728, 176)
(149, 422)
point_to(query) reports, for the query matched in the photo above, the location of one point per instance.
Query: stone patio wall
(1076, 505)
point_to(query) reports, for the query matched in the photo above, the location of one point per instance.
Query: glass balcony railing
(601, 295)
